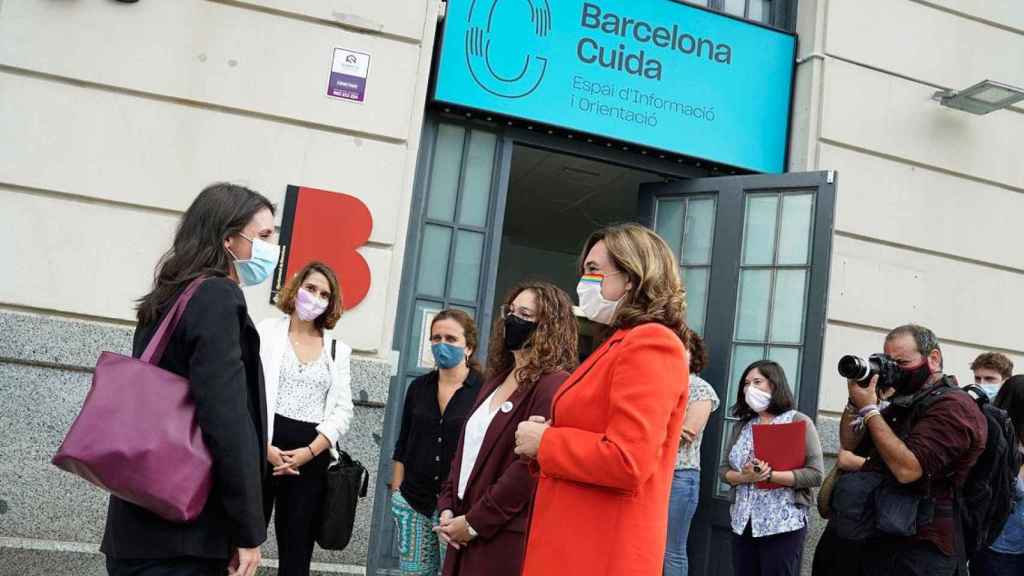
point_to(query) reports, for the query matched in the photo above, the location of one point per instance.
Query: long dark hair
(782, 397)
(1011, 399)
(552, 347)
(219, 212)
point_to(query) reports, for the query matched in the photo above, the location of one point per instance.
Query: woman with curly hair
(309, 408)
(606, 458)
(486, 500)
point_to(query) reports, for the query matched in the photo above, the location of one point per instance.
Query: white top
(476, 429)
(303, 389)
(338, 409)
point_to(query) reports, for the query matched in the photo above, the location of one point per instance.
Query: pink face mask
(308, 306)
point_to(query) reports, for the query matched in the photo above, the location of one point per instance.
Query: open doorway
(554, 202)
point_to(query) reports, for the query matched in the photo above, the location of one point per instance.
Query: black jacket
(427, 440)
(216, 346)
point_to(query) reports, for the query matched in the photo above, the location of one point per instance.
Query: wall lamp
(982, 98)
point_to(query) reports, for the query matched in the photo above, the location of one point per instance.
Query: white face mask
(757, 399)
(593, 305)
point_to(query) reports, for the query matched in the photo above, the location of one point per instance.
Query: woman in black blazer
(226, 235)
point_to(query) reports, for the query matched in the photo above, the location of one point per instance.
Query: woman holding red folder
(769, 507)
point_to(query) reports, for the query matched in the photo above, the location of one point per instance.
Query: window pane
(444, 174)
(735, 7)
(752, 312)
(696, 281)
(761, 10)
(700, 229)
(795, 236)
(788, 306)
(476, 184)
(419, 355)
(670, 223)
(759, 229)
(436, 243)
(789, 359)
(469, 247)
(743, 355)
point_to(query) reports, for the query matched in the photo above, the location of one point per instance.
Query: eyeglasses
(520, 311)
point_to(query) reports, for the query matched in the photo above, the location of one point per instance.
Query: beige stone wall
(930, 199)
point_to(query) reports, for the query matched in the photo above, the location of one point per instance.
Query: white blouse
(476, 429)
(304, 387)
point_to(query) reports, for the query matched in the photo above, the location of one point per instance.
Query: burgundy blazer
(500, 489)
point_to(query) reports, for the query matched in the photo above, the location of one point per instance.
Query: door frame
(707, 555)
(509, 136)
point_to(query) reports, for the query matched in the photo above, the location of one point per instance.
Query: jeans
(988, 562)
(775, 555)
(681, 507)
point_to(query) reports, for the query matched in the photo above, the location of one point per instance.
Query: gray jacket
(808, 477)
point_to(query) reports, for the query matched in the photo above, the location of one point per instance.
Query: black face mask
(913, 379)
(517, 332)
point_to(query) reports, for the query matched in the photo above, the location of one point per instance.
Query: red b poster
(329, 227)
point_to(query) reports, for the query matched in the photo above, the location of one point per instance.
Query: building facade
(887, 209)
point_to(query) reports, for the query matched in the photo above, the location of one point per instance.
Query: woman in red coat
(606, 458)
(485, 502)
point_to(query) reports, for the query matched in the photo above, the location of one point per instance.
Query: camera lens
(853, 368)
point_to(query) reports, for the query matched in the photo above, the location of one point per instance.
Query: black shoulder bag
(347, 482)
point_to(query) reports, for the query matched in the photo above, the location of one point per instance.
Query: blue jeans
(988, 562)
(682, 505)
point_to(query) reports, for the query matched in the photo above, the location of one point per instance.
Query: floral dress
(767, 512)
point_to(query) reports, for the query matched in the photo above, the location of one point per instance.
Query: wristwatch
(472, 533)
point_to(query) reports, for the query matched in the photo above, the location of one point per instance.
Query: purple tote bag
(137, 436)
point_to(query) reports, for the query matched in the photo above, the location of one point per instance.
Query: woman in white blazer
(309, 408)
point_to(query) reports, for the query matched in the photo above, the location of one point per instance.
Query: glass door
(754, 252)
(453, 252)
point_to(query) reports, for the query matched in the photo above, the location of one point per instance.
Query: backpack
(985, 501)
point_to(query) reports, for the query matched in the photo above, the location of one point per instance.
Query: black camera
(862, 370)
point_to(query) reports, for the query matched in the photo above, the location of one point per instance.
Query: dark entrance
(494, 206)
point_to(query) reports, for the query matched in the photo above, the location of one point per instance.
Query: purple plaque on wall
(349, 70)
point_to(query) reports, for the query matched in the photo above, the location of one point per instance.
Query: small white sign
(349, 71)
(426, 359)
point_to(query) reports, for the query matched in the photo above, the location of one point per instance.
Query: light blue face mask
(991, 390)
(260, 265)
(447, 355)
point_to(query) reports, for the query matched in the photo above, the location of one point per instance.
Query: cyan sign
(653, 72)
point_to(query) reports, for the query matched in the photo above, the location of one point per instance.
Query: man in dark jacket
(932, 452)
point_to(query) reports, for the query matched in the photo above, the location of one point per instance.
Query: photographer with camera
(913, 458)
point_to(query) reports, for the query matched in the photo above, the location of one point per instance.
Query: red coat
(500, 488)
(606, 462)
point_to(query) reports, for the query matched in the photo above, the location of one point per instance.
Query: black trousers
(185, 566)
(299, 499)
(904, 557)
(776, 555)
(835, 556)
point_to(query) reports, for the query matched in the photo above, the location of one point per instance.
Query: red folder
(782, 446)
